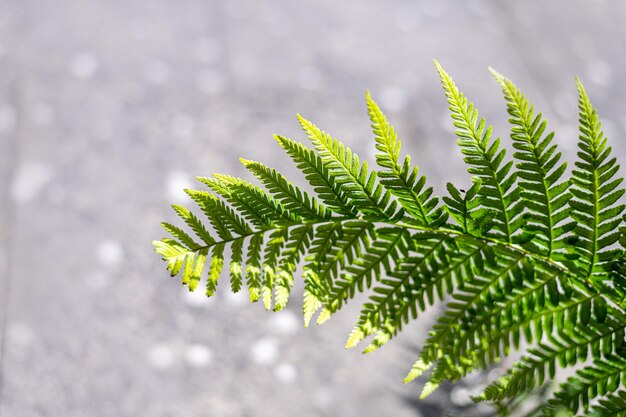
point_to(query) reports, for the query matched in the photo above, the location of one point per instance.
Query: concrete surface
(108, 108)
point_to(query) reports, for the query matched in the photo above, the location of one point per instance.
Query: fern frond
(544, 192)
(390, 305)
(486, 161)
(273, 250)
(601, 335)
(253, 267)
(401, 180)
(613, 405)
(181, 235)
(298, 242)
(291, 197)
(596, 193)
(354, 236)
(215, 268)
(317, 174)
(254, 203)
(599, 379)
(439, 274)
(349, 241)
(224, 220)
(526, 259)
(235, 267)
(316, 289)
(467, 209)
(455, 329)
(352, 175)
(194, 223)
(390, 244)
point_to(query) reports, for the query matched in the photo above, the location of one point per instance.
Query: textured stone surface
(109, 108)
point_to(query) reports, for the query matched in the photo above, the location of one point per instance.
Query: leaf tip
(418, 368)
(501, 79)
(428, 389)
(245, 162)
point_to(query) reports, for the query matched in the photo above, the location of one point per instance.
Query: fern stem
(596, 221)
(444, 231)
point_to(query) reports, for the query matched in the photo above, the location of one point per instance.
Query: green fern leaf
(194, 223)
(291, 197)
(390, 244)
(527, 259)
(181, 235)
(596, 192)
(485, 160)
(599, 379)
(318, 175)
(613, 405)
(359, 185)
(544, 192)
(401, 180)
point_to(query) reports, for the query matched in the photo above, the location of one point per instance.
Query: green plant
(527, 258)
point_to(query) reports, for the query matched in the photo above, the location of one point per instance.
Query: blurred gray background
(109, 108)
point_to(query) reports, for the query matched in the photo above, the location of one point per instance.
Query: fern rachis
(525, 254)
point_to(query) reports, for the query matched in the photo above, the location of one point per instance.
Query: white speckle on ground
(195, 298)
(41, 114)
(84, 66)
(285, 322)
(446, 122)
(480, 7)
(161, 357)
(175, 185)
(434, 8)
(236, 299)
(57, 194)
(393, 99)
(30, 180)
(210, 82)
(207, 51)
(182, 125)
(141, 27)
(279, 24)
(309, 78)
(103, 129)
(495, 373)
(564, 102)
(581, 43)
(97, 281)
(286, 373)
(599, 72)
(240, 9)
(156, 72)
(610, 128)
(20, 335)
(566, 137)
(324, 398)
(8, 118)
(198, 356)
(244, 66)
(110, 252)
(264, 351)
(460, 396)
(407, 17)
(185, 320)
